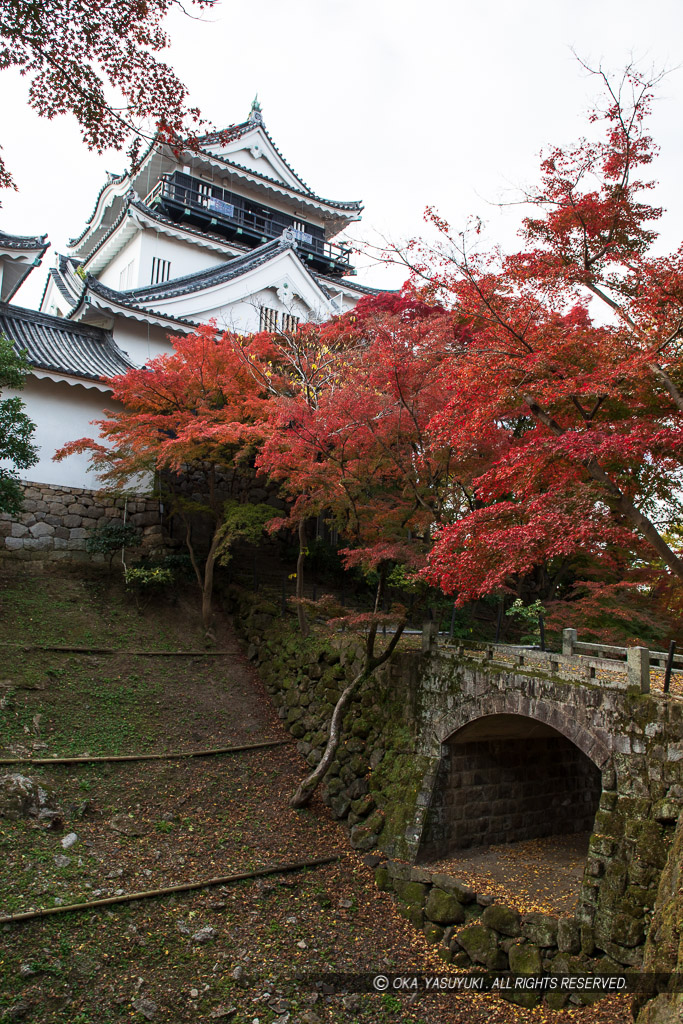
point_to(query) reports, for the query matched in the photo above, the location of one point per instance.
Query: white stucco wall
(62, 412)
(244, 316)
(141, 341)
(111, 275)
(184, 257)
(53, 301)
(235, 303)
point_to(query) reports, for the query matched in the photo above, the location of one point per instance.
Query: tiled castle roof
(52, 343)
(23, 243)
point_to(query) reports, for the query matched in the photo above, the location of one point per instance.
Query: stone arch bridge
(513, 752)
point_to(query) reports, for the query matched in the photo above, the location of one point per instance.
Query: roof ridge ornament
(255, 114)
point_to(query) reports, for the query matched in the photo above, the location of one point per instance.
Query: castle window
(126, 276)
(289, 322)
(161, 270)
(268, 319)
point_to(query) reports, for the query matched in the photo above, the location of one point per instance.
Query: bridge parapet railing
(598, 664)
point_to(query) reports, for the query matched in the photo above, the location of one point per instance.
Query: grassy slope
(141, 826)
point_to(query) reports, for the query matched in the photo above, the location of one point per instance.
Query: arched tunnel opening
(508, 779)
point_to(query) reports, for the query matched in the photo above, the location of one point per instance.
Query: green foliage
(178, 563)
(241, 522)
(139, 578)
(528, 616)
(109, 539)
(16, 429)
(402, 578)
(390, 1003)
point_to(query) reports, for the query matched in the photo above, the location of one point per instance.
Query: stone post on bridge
(569, 640)
(638, 668)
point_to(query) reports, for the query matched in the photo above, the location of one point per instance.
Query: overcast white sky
(399, 104)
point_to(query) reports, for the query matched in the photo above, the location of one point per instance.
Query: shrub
(140, 578)
(108, 539)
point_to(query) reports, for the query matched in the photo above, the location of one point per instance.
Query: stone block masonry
(472, 930)
(441, 752)
(56, 522)
(633, 739)
(505, 791)
(375, 777)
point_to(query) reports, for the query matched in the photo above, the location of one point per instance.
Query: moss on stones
(540, 929)
(432, 932)
(411, 893)
(525, 958)
(443, 908)
(568, 935)
(481, 945)
(503, 919)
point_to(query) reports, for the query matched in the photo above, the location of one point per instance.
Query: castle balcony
(186, 199)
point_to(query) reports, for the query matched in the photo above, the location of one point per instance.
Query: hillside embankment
(85, 673)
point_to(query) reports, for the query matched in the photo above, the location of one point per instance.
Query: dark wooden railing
(187, 196)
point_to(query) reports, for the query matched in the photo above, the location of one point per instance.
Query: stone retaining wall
(390, 776)
(471, 930)
(374, 780)
(56, 522)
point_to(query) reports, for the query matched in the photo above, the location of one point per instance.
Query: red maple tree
(360, 455)
(96, 59)
(198, 407)
(567, 384)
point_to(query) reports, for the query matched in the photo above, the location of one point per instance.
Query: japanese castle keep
(227, 232)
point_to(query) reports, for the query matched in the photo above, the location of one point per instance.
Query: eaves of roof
(203, 279)
(134, 201)
(55, 344)
(337, 283)
(229, 134)
(125, 302)
(184, 229)
(355, 205)
(23, 243)
(58, 274)
(236, 131)
(112, 178)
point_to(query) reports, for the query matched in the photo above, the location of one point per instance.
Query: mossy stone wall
(374, 781)
(384, 782)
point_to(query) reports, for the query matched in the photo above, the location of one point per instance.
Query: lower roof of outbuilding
(61, 346)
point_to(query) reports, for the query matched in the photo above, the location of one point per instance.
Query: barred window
(289, 322)
(269, 318)
(161, 270)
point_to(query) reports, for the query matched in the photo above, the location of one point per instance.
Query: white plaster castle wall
(281, 284)
(184, 258)
(54, 302)
(244, 315)
(141, 341)
(111, 275)
(62, 412)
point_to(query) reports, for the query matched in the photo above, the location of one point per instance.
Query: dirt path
(539, 874)
(237, 953)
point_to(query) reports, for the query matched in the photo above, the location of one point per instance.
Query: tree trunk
(300, 610)
(636, 518)
(207, 583)
(307, 788)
